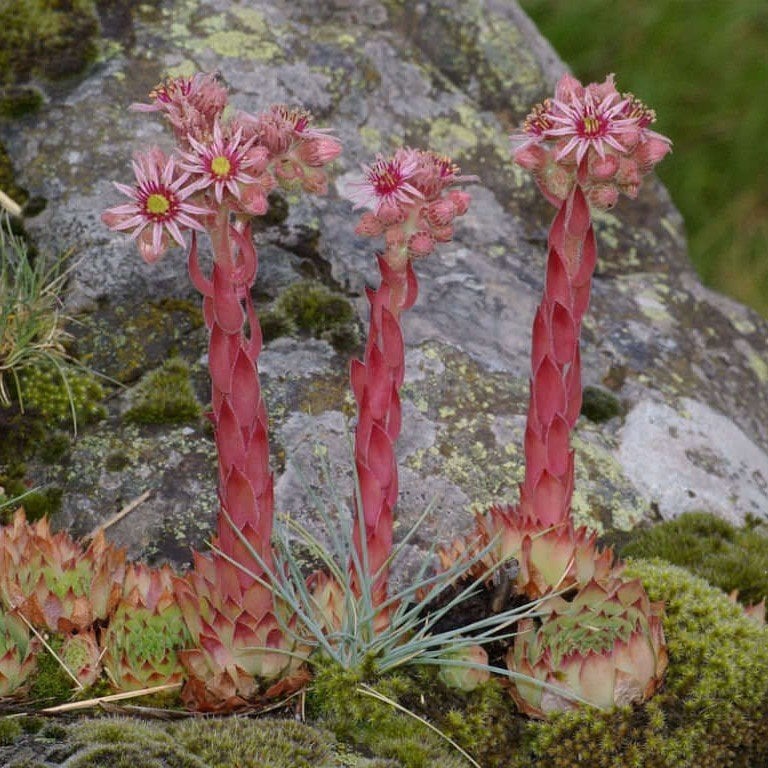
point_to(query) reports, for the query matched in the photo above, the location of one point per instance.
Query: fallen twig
(86, 703)
(128, 508)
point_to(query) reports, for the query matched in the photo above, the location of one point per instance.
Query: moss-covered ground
(48, 38)
(729, 557)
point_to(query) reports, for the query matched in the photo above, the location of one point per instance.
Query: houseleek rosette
(17, 654)
(548, 558)
(53, 581)
(606, 647)
(142, 642)
(242, 638)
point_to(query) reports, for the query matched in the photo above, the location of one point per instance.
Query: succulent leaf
(17, 654)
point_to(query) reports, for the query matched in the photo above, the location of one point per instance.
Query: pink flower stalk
(159, 206)
(414, 205)
(230, 166)
(584, 147)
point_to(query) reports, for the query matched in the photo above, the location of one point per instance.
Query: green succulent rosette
(146, 632)
(17, 654)
(604, 647)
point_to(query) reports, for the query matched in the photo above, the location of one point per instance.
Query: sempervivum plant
(240, 645)
(141, 644)
(81, 655)
(53, 581)
(606, 646)
(548, 558)
(17, 654)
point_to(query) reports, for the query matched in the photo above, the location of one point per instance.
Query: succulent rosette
(82, 657)
(54, 582)
(467, 672)
(606, 647)
(239, 646)
(17, 654)
(142, 642)
(549, 558)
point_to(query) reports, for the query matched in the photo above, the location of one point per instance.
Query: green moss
(43, 503)
(598, 405)
(726, 556)
(336, 701)
(225, 743)
(48, 38)
(50, 684)
(10, 730)
(310, 309)
(116, 461)
(165, 396)
(713, 710)
(275, 324)
(54, 446)
(32, 724)
(18, 101)
(37, 503)
(52, 393)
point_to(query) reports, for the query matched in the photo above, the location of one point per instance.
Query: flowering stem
(376, 383)
(556, 388)
(239, 414)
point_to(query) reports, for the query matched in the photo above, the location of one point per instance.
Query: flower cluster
(224, 161)
(590, 135)
(414, 202)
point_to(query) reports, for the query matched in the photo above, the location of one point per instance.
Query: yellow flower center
(220, 166)
(592, 126)
(158, 204)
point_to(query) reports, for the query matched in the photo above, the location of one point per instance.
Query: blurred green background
(703, 66)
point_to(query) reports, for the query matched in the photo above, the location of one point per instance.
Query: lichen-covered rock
(683, 370)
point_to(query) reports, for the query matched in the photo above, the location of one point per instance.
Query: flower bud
(420, 244)
(253, 200)
(441, 213)
(469, 677)
(603, 168)
(259, 156)
(318, 151)
(460, 201)
(369, 225)
(650, 152)
(532, 157)
(603, 196)
(390, 213)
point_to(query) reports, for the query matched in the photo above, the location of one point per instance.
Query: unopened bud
(369, 225)
(460, 201)
(441, 213)
(603, 196)
(420, 244)
(390, 213)
(603, 168)
(318, 151)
